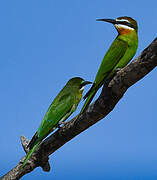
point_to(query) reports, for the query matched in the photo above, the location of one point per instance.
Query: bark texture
(111, 93)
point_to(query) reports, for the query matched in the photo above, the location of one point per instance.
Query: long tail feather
(88, 93)
(88, 100)
(30, 153)
(93, 90)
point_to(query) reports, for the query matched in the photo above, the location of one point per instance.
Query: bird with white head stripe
(118, 56)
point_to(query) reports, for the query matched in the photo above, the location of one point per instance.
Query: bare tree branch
(109, 97)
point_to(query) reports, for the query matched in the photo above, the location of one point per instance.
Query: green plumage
(119, 54)
(60, 109)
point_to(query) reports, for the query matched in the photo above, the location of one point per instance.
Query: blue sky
(45, 43)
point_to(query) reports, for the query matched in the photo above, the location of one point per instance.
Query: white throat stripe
(123, 26)
(82, 88)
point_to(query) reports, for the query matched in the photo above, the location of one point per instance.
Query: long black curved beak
(113, 21)
(85, 83)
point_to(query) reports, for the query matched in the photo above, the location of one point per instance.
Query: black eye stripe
(84, 83)
(126, 23)
(81, 85)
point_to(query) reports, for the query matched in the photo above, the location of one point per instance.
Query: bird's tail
(89, 96)
(93, 90)
(36, 144)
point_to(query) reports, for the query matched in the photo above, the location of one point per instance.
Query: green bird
(118, 56)
(60, 109)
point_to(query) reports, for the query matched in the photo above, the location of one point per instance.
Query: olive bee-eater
(118, 56)
(60, 109)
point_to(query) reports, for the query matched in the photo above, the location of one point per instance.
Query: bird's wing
(60, 108)
(110, 60)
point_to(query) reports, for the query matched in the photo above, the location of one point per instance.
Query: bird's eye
(124, 22)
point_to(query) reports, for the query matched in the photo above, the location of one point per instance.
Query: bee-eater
(118, 56)
(60, 109)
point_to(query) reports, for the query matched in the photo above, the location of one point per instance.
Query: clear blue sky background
(45, 43)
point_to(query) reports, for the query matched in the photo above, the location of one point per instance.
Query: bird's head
(78, 83)
(124, 25)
